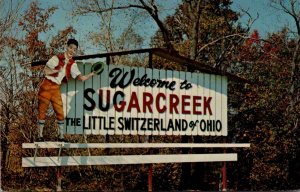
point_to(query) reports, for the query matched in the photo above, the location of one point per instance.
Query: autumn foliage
(264, 112)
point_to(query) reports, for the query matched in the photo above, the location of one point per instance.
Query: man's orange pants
(50, 93)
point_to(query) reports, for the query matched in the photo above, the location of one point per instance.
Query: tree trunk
(195, 28)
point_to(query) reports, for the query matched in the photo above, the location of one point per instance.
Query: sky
(145, 25)
(269, 20)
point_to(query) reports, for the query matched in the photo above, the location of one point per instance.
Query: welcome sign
(143, 101)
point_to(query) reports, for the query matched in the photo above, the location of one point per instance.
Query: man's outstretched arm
(85, 77)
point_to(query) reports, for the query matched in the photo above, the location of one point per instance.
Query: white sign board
(143, 101)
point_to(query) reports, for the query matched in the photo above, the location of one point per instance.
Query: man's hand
(85, 77)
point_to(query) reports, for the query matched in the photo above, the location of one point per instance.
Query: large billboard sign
(143, 101)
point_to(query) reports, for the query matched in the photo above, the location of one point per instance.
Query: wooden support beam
(132, 145)
(100, 55)
(164, 53)
(125, 159)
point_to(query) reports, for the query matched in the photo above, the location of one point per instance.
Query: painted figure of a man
(59, 68)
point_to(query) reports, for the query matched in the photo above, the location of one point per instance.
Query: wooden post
(224, 174)
(107, 60)
(224, 177)
(150, 59)
(150, 171)
(58, 175)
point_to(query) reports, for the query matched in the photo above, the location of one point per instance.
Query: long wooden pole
(224, 177)
(150, 175)
(59, 178)
(150, 172)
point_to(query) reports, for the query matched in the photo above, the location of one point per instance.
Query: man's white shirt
(53, 62)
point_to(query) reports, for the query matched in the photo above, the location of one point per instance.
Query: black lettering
(162, 128)
(177, 124)
(111, 123)
(101, 121)
(184, 125)
(156, 124)
(183, 84)
(170, 125)
(210, 125)
(121, 83)
(218, 125)
(67, 120)
(78, 122)
(147, 82)
(121, 125)
(94, 121)
(83, 125)
(172, 85)
(142, 82)
(106, 107)
(152, 82)
(202, 125)
(150, 123)
(143, 124)
(136, 82)
(99, 124)
(127, 123)
(137, 123)
(89, 99)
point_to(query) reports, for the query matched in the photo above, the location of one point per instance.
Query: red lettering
(133, 103)
(119, 107)
(147, 103)
(174, 101)
(196, 104)
(185, 103)
(206, 105)
(163, 96)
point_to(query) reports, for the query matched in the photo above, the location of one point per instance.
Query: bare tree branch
(8, 18)
(242, 35)
(86, 10)
(150, 8)
(251, 20)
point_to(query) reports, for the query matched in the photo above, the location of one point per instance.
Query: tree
(18, 86)
(292, 8)
(103, 9)
(275, 63)
(111, 36)
(260, 113)
(205, 31)
(8, 16)
(7, 76)
(265, 113)
(270, 107)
